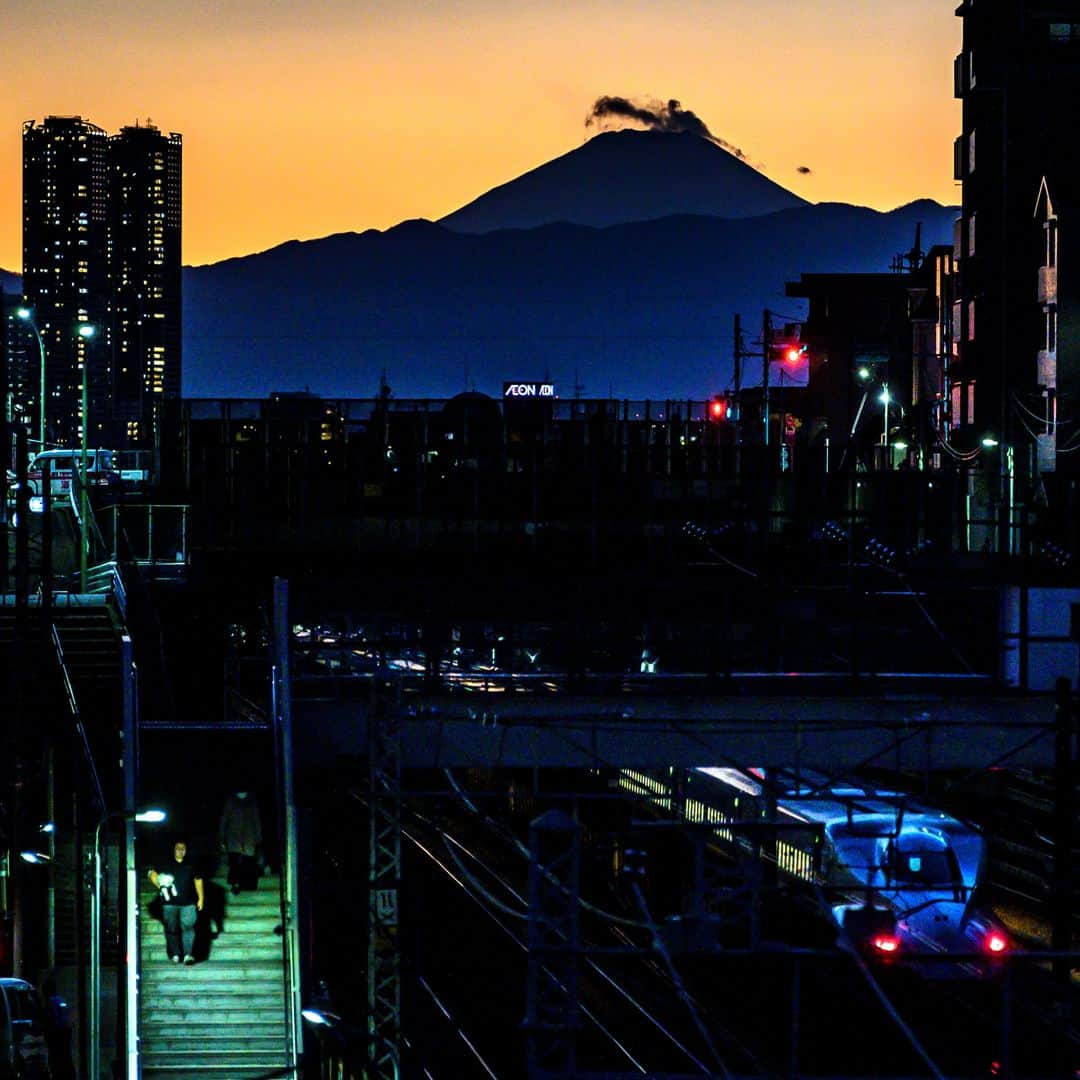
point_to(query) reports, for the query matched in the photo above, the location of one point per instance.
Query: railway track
(464, 980)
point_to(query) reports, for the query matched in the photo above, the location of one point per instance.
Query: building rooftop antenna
(907, 262)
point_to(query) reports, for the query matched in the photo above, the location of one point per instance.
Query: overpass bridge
(813, 721)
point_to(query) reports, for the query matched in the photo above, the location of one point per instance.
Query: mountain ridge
(626, 175)
(644, 308)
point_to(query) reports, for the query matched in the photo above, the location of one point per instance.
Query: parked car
(22, 1042)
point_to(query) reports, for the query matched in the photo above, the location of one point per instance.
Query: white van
(64, 467)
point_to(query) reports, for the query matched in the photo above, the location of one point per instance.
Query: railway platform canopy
(823, 722)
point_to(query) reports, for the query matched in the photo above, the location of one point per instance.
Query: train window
(926, 867)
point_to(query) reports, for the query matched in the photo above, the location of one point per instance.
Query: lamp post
(94, 1019)
(884, 399)
(85, 331)
(27, 316)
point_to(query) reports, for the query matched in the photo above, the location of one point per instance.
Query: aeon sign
(528, 390)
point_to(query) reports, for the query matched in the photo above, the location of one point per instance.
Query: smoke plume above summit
(655, 115)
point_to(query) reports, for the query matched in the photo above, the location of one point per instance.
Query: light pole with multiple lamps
(27, 316)
(85, 331)
(94, 1018)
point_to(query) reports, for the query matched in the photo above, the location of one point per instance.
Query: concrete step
(160, 991)
(233, 1070)
(173, 1042)
(223, 971)
(223, 1072)
(202, 1057)
(221, 996)
(269, 1026)
(236, 951)
(187, 1013)
(152, 946)
(153, 937)
(243, 915)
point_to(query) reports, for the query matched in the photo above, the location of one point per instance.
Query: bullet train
(898, 875)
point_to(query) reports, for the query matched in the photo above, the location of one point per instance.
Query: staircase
(225, 1016)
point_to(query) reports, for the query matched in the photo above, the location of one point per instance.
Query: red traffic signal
(718, 408)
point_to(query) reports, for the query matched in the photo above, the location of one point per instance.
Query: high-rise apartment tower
(65, 273)
(144, 276)
(101, 255)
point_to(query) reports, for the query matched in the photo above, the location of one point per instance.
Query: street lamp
(27, 316)
(884, 399)
(94, 1019)
(85, 331)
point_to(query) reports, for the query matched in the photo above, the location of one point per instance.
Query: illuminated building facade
(144, 270)
(1018, 78)
(66, 273)
(101, 249)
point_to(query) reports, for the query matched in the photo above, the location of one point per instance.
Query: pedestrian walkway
(225, 1016)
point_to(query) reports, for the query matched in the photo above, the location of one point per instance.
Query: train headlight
(886, 943)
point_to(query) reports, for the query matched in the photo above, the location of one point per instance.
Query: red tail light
(886, 943)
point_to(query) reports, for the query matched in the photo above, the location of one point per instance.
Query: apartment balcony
(1047, 362)
(1047, 284)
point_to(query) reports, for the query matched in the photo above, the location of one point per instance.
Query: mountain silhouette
(639, 310)
(623, 176)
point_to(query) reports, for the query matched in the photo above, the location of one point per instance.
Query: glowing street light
(885, 399)
(27, 317)
(152, 816)
(85, 331)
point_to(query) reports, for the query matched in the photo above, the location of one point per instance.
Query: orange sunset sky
(303, 119)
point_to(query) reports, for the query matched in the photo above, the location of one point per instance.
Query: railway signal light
(719, 408)
(789, 352)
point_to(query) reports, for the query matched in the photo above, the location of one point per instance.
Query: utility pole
(766, 341)
(1064, 812)
(737, 355)
(553, 1010)
(384, 881)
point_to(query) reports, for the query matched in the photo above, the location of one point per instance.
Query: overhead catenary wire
(523, 850)
(893, 1015)
(677, 982)
(1049, 421)
(461, 1034)
(617, 987)
(513, 937)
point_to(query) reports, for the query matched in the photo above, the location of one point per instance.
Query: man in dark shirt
(182, 899)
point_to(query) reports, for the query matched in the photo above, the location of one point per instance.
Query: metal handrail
(73, 705)
(148, 510)
(107, 578)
